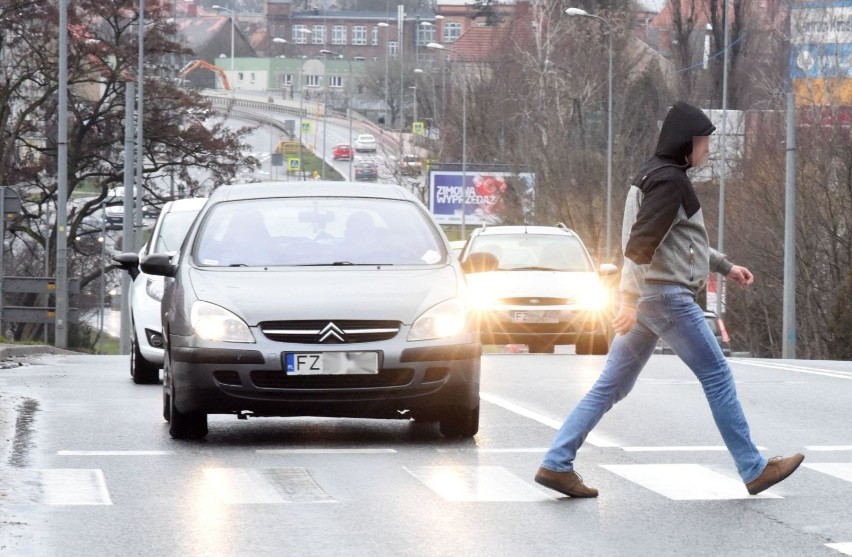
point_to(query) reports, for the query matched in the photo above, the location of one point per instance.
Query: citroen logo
(331, 332)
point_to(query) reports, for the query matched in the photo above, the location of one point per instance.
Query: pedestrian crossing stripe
(476, 483)
(54, 486)
(251, 486)
(685, 482)
(844, 548)
(842, 470)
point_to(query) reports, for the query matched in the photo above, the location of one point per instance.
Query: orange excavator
(195, 64)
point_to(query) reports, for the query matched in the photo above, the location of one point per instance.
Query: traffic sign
(306, 127)
(418, 128)
(294, 164)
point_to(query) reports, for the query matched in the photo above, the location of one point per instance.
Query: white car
(146, 292)
(536, 285)
(365, 142)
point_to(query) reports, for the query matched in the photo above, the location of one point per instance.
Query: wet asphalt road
(88, 469)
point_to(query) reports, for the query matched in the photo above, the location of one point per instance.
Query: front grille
(270, 379)
(344, 331)
(535, 301)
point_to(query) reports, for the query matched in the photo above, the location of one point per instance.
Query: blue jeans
(668, 312)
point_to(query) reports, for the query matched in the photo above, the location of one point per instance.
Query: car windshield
(317, 231)
(173, 230)
(549, 252)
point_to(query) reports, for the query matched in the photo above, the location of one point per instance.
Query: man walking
(667, 262)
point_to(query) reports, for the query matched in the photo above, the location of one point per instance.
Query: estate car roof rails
(564, 227)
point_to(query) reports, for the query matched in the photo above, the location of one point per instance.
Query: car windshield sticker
(431, 257)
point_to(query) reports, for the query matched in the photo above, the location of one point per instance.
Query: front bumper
(417, 381)
(520, 325)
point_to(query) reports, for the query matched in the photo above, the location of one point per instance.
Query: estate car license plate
(535, 316)
(331, 363)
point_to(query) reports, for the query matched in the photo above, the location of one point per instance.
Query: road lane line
(844, 548)
(326, 451)
(476, 483)
(114, 453)
(66, 486)
(829, 447)
(685, 482)
(529, 450)
(841, 470)
(683, 448)
(592, 439)
(800, 369)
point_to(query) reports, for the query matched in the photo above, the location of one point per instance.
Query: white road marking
(529, 450)
(685, 482)
(592, 439)
(476, 483)
(251, 486)
(844, 548)
(828, 447)
(325, 451)
(842, 470)
(66, 486)
(683, 448)
(800, 369)
(114, 453)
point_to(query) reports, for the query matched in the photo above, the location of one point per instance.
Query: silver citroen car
(316, 299)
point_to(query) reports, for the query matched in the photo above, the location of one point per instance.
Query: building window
(318, 36)
(452, 31)
(425, 35)
(313, 80)
(240, 77)
(393, 49)
(335, 81)
(251, 77)
(375, 37)
(359, 35)
(299, 35)
(286, 80)
(338, 34)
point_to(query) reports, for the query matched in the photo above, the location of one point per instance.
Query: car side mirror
(159, 264)
(480, 262)
(607, 269)
(128, 261)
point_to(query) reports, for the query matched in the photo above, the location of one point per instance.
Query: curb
(16, 350)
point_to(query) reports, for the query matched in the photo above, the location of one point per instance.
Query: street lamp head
(279, 40)
(382, 24)
(576, 11)
(418, 70)
(439, 17)
(439, 46)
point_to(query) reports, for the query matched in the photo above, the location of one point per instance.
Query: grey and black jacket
(663, 234)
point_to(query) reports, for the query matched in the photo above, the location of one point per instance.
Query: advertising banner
(486, 195)
(821, 57)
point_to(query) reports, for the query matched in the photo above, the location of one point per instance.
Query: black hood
(683, 121)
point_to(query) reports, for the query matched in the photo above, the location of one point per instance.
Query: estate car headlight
(446, 319)
(212, 322)
(596, 297)
(154, 288)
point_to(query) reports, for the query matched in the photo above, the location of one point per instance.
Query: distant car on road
(537, 285)
(317, 299)
(146, 339)
(342, 151)
(410, 165)
(366, 171)
(366, 142)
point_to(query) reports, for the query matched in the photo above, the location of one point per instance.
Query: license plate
(331, 363)
(535, 316)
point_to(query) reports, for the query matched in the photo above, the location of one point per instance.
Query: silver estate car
(317, 299)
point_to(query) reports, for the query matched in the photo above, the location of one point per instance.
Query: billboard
(821, 57)
(487, 194)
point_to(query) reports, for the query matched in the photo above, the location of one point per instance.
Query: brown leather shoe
(776, 470)
(570, 483)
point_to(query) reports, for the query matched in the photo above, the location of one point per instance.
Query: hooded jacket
(663, 234)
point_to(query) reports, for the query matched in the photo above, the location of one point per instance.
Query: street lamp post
(583, 13)
(233, 29)
(348, 102)
(385, 26)
(439, 46)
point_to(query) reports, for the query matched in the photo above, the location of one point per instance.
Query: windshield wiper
(533, 269)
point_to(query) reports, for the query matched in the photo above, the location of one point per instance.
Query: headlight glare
(444, 320)
(212, 322)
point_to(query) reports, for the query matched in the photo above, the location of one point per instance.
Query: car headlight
(596, 297)
(212, 322)
(446, 319)
(481, 297)
(154, 288)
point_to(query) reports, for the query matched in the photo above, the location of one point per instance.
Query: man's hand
(625, 319)
(741, 276)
